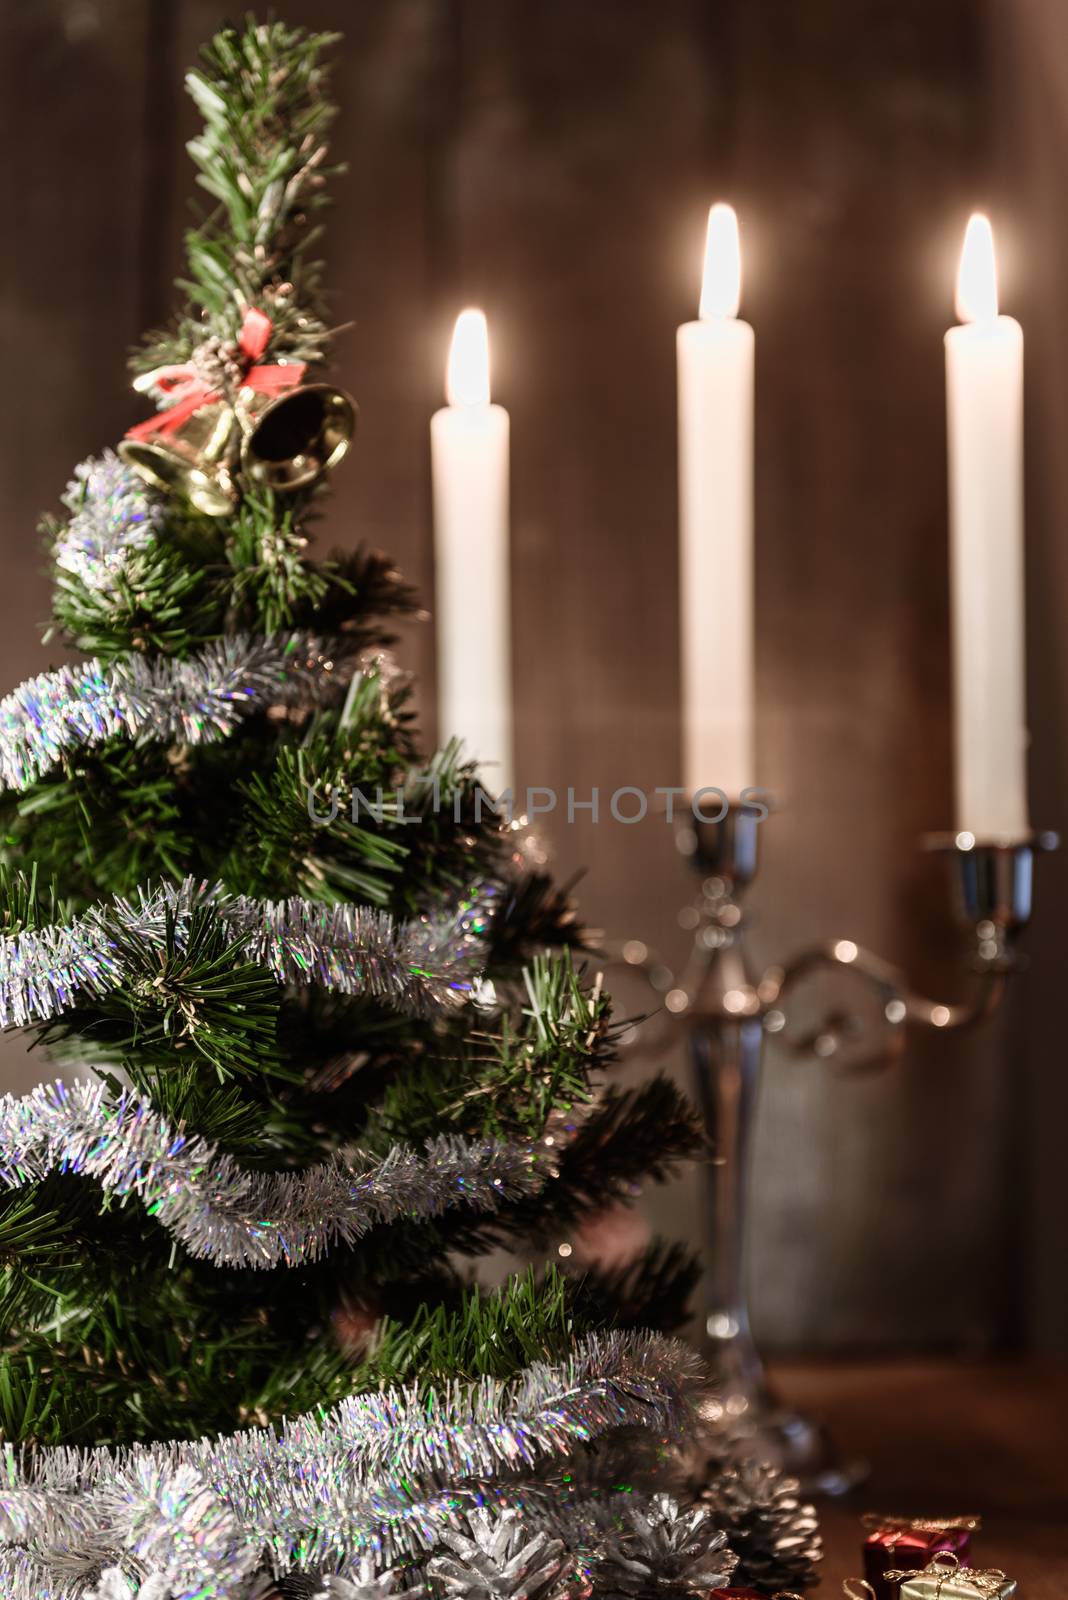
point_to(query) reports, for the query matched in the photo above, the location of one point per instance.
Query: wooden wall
(1029, 61)
(554, 162)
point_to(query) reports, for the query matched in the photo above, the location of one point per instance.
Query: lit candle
(984, 395)
(715, 398)
(469, 456)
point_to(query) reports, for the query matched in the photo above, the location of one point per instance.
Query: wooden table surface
(945, 1439)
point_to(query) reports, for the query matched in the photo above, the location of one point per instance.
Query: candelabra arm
(901, 1006)
(993, 884)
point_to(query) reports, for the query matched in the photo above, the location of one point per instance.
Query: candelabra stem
(726, 1060)
(726, 1021)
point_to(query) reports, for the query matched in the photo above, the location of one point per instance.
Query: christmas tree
(312, 1057)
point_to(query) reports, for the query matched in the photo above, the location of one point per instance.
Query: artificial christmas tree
(315, 1058)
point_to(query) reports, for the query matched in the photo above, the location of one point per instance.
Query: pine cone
(775, 1535)
(500, 1561)
(366, 1584)
(219, 364)
(295, 1586)
(114, 1586)
(665, 1552)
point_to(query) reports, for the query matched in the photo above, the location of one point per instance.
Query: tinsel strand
(423, 967)
(196, 701)
(239, 1218)
(382, 1472)
(154, 1520)
(114, 515)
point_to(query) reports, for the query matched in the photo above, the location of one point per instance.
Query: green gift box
(945, 1579)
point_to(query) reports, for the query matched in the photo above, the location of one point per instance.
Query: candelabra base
(747, 1421)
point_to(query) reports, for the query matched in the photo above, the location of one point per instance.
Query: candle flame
(467, 376)
(721, 284)
(977, 276)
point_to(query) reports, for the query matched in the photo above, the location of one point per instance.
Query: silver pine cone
(775, 1533)
(365, 1584)
(114, 1586)
(665, 1552)
(499, 1559)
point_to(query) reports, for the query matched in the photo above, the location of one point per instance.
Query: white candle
(469, 456)
(984, 395)
(715, 398)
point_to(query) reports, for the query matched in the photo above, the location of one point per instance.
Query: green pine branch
(652, 1291)
(192, 1360)
(629, 1137)
(262, 160)
(496, 1334)
(205, 576)
(632, 1137)
(26, 903)
(193, 996)
(535, 913)
(103, 823)
(505, 1082)
(273, 581)
(164, 600)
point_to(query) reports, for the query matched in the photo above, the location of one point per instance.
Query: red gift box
(907, 1544)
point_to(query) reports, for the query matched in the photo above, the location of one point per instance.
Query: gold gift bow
(987, 1582)
(858, 1589)
(875, 1523)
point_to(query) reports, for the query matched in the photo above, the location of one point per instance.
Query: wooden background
(554, 162)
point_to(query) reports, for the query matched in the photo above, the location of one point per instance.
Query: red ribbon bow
(187, 391)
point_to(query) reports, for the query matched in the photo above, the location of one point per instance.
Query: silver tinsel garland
(161, 1522)
(423, 967)
(388, 1471)
(196, 701)
(383, 1473)
(239, 1218)
(114, 514)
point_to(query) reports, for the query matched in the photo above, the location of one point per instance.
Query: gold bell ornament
(228, 413)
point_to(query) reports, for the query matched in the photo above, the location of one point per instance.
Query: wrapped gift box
(943, 1579)
(910, 1543)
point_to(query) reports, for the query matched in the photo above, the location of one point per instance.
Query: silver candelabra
(727, 1010)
